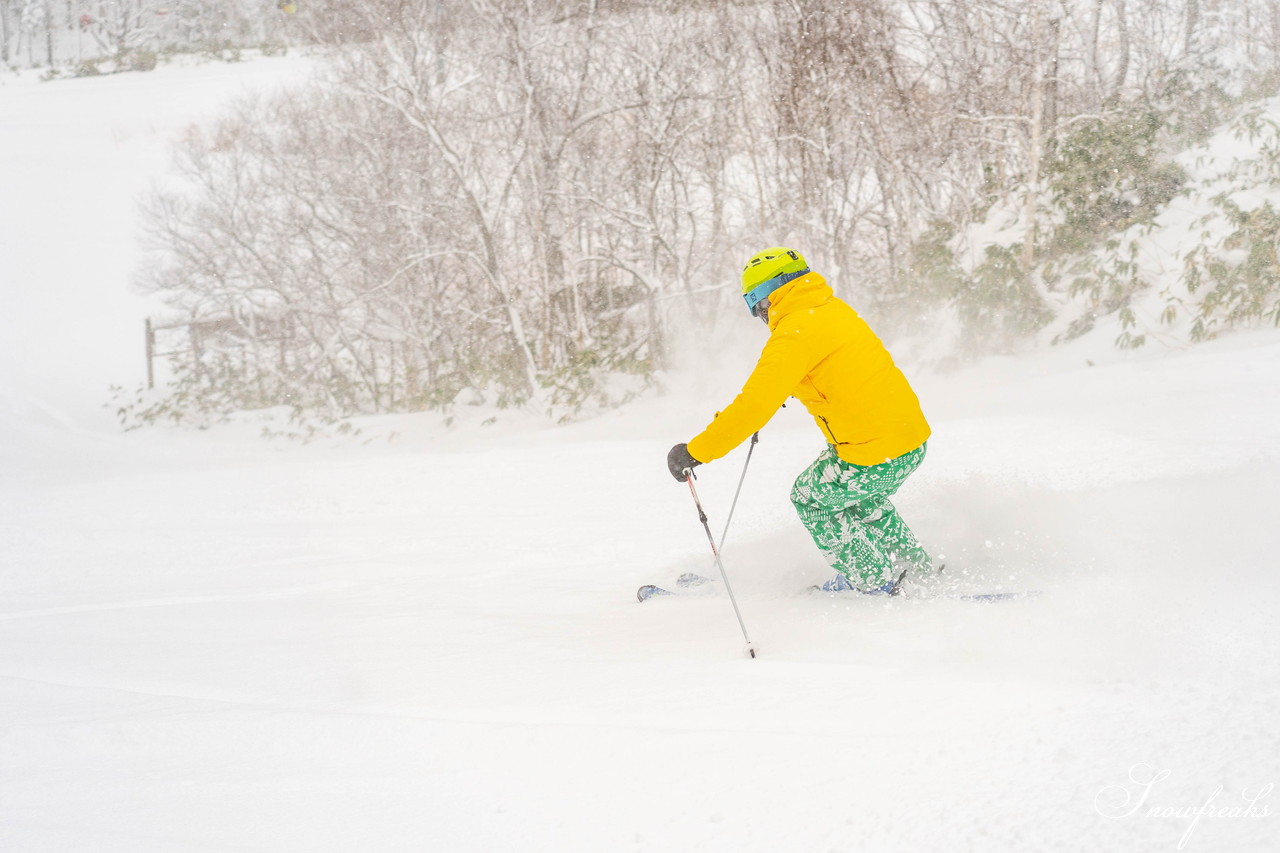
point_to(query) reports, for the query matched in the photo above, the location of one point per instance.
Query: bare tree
(520, 198)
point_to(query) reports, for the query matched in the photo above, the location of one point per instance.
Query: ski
(686, 581)
(649, 590)
(978, 597)
(998, 596)
(842, 584)
(895, 588)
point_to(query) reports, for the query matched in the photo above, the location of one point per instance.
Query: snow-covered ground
(213, 643)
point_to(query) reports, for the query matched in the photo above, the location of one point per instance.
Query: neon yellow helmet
(769, 270)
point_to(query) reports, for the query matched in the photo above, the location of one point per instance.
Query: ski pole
(755, 438)
(702, 516)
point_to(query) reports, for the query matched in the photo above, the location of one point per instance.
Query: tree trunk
(4, 32)
(1036, 149)
(1122, 63)
(1192, 25)
(1095, 66)
(1051, 84)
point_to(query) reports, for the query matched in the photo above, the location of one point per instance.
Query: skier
(824, 354)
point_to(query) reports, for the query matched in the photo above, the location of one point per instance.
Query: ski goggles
(756, 294)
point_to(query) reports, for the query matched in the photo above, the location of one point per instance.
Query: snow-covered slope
(208, 642)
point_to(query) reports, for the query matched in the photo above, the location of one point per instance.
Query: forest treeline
(519, 202)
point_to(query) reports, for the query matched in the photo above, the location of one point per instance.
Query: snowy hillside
(212, 643)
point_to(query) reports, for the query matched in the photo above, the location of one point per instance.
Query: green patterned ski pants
(847, 511)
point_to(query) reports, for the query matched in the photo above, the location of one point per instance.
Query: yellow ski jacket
(826, 356)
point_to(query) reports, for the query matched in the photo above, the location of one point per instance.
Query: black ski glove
(678, 460)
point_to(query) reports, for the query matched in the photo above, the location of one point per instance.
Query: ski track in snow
(210, 643)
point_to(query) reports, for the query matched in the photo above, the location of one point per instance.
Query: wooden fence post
(151, 354)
